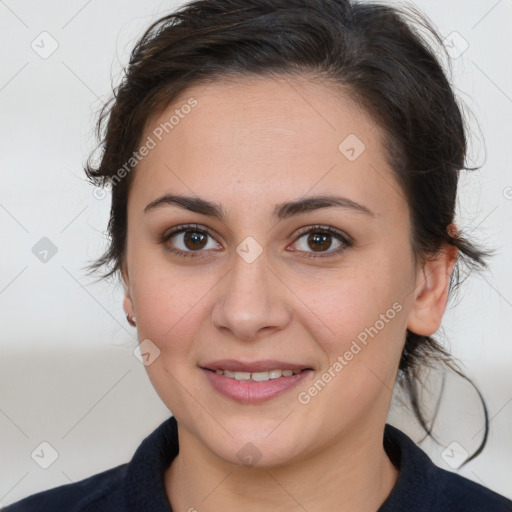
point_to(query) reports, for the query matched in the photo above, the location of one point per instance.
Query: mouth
(254, 382)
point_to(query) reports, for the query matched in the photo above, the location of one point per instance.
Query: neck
(354, 473)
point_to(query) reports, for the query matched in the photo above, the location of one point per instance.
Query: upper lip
(252, 366)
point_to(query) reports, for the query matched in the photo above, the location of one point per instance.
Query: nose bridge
(250, 299)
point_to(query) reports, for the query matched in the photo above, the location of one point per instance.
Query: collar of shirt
(145, 487)
(421, 485)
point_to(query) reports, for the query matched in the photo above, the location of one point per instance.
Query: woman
(283, 177)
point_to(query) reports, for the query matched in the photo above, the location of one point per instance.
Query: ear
(431, 290)
(127, 300)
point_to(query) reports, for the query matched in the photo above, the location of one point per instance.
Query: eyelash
(317, 229)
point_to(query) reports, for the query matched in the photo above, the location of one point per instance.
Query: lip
(233, 365)
(252, 392)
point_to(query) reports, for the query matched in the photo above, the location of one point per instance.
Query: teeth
(260, 376)
(275, 374)
(242, 375)
(257, 376)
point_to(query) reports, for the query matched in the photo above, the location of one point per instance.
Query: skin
(248, 145)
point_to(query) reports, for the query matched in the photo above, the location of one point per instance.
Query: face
(325, 288)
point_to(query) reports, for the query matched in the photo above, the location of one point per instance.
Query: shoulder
(136, 485)
(459, 493)
(424, 487)
(101, 492)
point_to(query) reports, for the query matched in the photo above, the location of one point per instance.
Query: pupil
(319, 241)
(195, 238)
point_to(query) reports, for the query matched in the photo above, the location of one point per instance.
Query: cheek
(162, 292)
(358, 303)
(364, 319)
(168, 309)
(362, 348)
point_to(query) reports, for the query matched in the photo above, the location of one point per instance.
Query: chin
(253, 448)
(254, 456)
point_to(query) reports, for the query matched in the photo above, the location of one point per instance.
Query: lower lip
(249, 391)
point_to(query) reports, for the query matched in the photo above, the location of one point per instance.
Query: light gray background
(68, 375)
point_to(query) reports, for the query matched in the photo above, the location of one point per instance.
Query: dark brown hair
(376, 53)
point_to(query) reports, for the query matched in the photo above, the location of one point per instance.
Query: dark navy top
(139, 484)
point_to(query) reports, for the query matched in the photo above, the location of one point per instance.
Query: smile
(254, 387)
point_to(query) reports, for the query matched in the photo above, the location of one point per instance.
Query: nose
(251, 301)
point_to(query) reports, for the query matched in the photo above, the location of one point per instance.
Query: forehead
(264, 138)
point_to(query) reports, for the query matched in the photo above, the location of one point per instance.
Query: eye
(188, 240)
(320, 239)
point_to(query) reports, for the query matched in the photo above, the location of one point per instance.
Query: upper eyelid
(321, 227)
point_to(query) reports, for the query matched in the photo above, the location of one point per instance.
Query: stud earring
(131, 320)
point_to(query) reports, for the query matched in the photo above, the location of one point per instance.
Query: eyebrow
(281, 211)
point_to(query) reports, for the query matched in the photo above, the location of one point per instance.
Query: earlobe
(431, 292)
(128, 304)
(128, 308)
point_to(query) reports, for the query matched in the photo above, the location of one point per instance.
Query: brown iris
(320, 241)
(194, 238)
